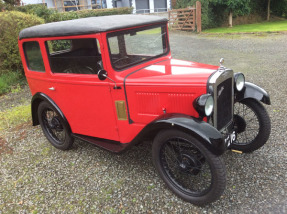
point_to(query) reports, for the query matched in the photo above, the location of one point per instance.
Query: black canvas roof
(88, 25)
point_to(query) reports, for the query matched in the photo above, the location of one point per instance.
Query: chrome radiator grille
(221, 87)
(224, 103)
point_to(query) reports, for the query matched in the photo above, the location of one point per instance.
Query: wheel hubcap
(190, 164)
(56, 124)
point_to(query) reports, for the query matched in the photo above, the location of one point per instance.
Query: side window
(114, 45)
(76, 56)
(59, 46)
(33, 56)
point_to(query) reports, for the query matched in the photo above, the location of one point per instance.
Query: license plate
(230, 139)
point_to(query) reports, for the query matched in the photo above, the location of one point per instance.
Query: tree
(233, 7)
(268, 10)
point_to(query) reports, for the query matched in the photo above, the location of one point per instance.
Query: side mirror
(102, 74)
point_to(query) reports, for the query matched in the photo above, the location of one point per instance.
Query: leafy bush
(36, 9)
(279, 8)
(54, 17)
(8, 80)
(12, 23)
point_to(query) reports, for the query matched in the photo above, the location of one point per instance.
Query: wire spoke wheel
(185, 165)
(54, 127)
(252, 123)
(188, 168)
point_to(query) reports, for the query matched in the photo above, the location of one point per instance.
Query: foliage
(11, 2)
(237, 7)
(184, 3)
(54, 17)
(12, 23)
(59, 45)
(279, 8)
(258, 7)
(8, 4)
(8, 80)
(36, 9)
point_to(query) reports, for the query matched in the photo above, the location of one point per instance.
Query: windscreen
(131, 47)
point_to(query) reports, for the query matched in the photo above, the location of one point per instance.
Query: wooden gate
(186, 19)
(182, 19)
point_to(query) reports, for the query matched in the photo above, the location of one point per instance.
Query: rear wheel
(252, 123)
(54, 127)
(188, 168)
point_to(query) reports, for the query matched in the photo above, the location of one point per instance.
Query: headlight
(208, 109)
(204, 105)
(239, 81)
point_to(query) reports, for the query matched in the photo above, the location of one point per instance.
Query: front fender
(253, 91)
(204, 132)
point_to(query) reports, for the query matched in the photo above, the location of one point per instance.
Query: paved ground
(37, 178)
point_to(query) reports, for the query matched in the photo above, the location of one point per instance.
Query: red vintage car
(112, 81)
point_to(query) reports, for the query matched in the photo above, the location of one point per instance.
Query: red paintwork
(89, 103)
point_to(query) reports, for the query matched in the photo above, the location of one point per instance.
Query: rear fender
(36, 100)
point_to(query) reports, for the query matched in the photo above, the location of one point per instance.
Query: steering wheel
(79, 70)
(120, 59)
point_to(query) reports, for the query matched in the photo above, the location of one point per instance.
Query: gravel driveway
(37, 178)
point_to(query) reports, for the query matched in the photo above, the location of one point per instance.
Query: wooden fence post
(198, 16)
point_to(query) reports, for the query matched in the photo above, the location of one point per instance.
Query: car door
(85, 100)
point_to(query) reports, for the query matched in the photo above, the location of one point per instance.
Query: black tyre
(188, 168)
(54, 127)
(253, 126)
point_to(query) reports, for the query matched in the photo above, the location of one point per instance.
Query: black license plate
(230, 138)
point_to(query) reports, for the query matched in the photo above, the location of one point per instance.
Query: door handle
(52, 89)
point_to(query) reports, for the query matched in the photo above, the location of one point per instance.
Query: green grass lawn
(249, 28)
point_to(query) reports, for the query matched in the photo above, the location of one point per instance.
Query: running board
(112, 146)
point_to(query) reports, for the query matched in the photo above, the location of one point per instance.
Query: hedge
(36, 9)
(54, 17)
(12, 23)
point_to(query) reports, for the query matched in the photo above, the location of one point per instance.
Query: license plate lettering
(230, 138)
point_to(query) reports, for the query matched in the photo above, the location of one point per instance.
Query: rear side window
(74, 56)
(33, 56)
(59, 46)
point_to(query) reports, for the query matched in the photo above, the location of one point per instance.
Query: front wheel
(252, 124)
(188, 168)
